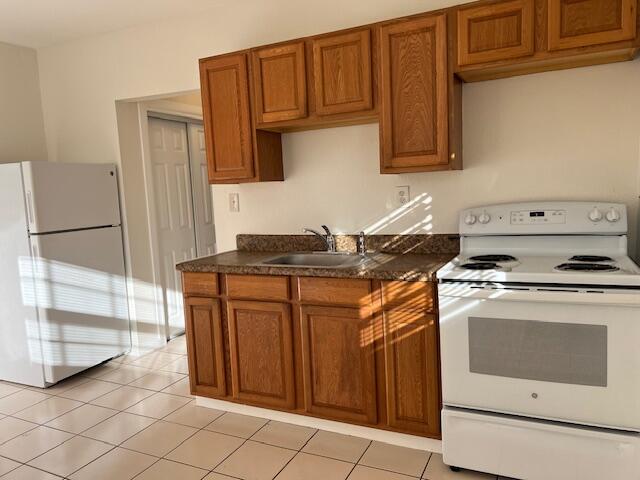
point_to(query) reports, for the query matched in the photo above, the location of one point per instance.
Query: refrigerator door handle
(29, 207)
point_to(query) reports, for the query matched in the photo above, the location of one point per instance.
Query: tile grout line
(359, 458)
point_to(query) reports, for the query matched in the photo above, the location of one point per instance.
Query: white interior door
(174, 212)
(202, 199)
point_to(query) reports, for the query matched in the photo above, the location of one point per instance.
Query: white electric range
(540, 343)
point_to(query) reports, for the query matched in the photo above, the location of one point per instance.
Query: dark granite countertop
(381, 266)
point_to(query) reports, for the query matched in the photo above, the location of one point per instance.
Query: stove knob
(595, 215)
(470, 219)
(612, 215)
(484, 218)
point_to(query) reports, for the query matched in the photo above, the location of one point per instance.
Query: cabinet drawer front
(258, 287)
(202, 284)
(227, 121)
(408, 295)
(411, 366)
(342, 73)
(280, 83)
(583, 23)
(335, 291)
(499, 31)
(261, 351)
(414, 132)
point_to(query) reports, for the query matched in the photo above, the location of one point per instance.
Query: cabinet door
(261, 348)
(338, 363)
(205, 346)
(227, 121)
(279, 82)
(342, 73)
(411, 365)
(414, 120)
(498, 31)
(579, 23)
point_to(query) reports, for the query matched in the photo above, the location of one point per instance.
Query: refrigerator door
(81, 299)
(70, 196)
(20, 353)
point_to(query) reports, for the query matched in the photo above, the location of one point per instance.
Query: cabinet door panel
(342, 73)
(498, 31)
(280, 83)
(339, 364)
(579, 23)
(411, 364)
(414, 121)
(261, 344)
(227, 121)
(205, 346)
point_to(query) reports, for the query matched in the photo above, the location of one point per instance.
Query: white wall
(571, 134)
(21, 123)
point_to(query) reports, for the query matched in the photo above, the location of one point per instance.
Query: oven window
(534, 350)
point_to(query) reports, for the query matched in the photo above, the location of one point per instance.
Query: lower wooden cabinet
(261, 352)
(205, 346)
(350, 350)
(338, 363)
(412, 373)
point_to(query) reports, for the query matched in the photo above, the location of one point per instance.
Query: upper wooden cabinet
(579, 23)
(225, 100)
(236, 151)
(342, 73)
(495, 31)
(414, 123)
(279, 79)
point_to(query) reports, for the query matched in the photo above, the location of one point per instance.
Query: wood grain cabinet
(580, 23)
(412, 371)
(342, 73)
(205, 346)
(261, 351)
(495, 31)
(236, 151)
(414, 122)
(338, 363)
(279, 81)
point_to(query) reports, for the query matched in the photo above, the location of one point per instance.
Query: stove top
(480, 266)
(587, 267)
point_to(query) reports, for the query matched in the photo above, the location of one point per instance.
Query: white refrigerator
(63, 296)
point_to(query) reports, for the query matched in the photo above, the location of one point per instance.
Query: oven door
(572, 356)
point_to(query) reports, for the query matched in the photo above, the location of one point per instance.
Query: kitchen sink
(317, 259)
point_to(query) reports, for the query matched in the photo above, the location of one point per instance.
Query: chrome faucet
(362, 244)
(327, 238)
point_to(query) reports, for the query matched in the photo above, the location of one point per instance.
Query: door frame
(165, 110)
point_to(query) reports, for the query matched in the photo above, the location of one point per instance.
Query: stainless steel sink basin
(317, 259)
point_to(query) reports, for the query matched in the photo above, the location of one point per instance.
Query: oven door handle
(617, 298)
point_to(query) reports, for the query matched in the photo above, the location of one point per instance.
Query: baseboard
(394, 438)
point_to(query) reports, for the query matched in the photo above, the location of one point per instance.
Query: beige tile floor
(135, 418)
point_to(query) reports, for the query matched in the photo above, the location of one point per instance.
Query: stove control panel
(545, 218)
(532, 217)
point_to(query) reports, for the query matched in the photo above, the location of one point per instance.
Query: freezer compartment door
(70, 196)
(81, 298)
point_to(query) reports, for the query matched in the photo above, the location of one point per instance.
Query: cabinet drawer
(202, 284)
(258, 287)
(408, 295)
(335, 291)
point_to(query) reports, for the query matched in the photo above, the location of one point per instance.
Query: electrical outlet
(402, 195)
(234, 202)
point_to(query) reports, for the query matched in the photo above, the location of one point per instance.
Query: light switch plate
(234, 202)
(402, 195)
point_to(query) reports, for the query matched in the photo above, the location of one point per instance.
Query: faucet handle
(362, 243)
(326, 229)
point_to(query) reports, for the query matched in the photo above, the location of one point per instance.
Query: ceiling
(41, 23)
